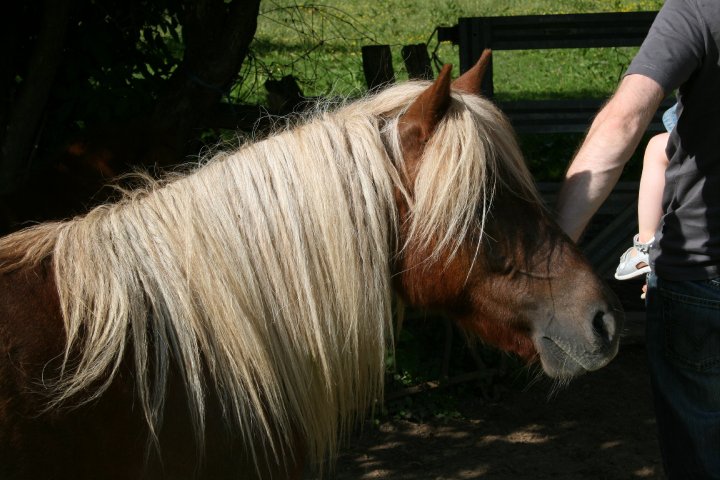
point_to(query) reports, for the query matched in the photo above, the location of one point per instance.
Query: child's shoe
(634, 262)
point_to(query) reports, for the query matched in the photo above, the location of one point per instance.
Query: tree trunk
(26, 114)
(217, 35)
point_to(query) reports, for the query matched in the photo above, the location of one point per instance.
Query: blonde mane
(265, 273)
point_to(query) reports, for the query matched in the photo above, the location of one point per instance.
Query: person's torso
(685, 41)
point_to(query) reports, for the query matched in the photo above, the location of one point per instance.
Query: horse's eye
(499, 261)
(507, 265)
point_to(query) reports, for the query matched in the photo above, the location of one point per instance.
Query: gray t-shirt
(681, 52)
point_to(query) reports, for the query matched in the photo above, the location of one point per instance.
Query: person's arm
(611, 140)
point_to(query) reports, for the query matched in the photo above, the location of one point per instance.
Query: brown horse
(233, 322)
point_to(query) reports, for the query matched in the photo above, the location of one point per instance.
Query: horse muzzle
(567, 352)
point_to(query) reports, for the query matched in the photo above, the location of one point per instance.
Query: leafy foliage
(117, 55)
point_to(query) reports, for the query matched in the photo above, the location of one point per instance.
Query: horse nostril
(603, 327)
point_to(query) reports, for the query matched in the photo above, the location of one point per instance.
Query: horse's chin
(563, 358)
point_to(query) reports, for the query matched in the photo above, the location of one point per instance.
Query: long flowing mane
(265, 273)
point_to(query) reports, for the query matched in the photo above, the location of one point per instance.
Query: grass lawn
(319, 43)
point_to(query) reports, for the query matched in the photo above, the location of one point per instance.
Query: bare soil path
(600, 426)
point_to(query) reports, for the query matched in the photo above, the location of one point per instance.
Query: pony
(233, 322)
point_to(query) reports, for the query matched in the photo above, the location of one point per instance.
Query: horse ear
(418, 123)
(470, 81)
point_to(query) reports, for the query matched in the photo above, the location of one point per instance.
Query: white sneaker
(634, 262)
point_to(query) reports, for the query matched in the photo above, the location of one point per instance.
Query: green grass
(319, 42)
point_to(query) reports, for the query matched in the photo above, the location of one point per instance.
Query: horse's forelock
(473, 151)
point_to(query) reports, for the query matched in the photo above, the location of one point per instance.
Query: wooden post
(377, 66)
(283, 95)
(487, 86)
(417, 61)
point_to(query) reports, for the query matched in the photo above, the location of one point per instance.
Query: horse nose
(605, 327)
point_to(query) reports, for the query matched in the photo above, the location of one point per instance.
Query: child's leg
(634, 262)
(652, 183)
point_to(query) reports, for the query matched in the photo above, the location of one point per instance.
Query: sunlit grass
(319, 43)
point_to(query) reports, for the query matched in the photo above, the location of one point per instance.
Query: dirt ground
(600, 426)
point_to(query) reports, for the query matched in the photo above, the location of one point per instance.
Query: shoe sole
(634, 274)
